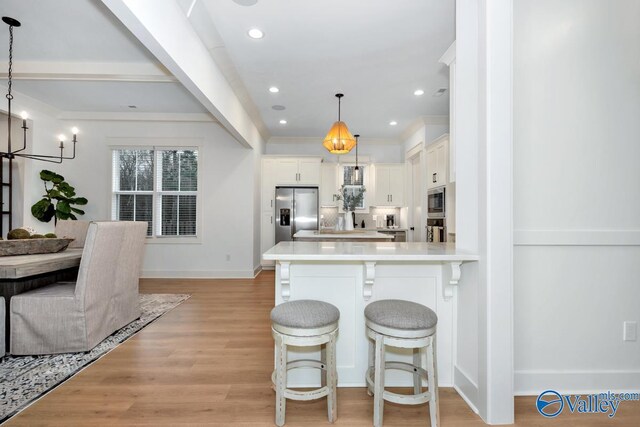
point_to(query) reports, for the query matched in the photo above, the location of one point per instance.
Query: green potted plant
(58, 201)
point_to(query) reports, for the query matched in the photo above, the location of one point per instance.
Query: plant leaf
(78, 211)
(79, 201)
(47, 175)
(63, 206)
(39, 208)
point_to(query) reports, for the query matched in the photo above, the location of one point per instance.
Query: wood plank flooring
(209, 361)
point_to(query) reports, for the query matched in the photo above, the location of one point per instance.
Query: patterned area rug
(24, 379)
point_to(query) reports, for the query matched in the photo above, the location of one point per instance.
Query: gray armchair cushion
(74, 230)
(2, 327)
(72, 317)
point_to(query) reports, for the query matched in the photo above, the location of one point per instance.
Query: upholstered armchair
(76, 316)
(74, 230)
(2, 327)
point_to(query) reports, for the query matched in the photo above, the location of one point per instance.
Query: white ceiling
(77, 33)
(111, 96)
(377, 52)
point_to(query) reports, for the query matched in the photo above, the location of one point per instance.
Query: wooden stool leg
(323, 359)
(417, 379)
(378, 390)
(332, 379)
(432, 372)
(372, 359)
(281, 379)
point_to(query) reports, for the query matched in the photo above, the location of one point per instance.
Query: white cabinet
(329, 185)
(309, 171)
(449, 58)
(269, 168)
(302, 171)
(268, 235)
(389, 185)
(437, 162)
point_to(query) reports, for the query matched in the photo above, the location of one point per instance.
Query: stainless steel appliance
(296, 209)
(436, 230)
(436, 203)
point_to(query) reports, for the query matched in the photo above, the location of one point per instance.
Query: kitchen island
(332, 235)
(350, 275)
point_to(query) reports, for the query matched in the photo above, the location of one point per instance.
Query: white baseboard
(257, 271)
(466, 388)
(532, 383)
(198, 274)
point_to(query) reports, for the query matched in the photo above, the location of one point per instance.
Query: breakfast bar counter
(351, 275)
(332, 235)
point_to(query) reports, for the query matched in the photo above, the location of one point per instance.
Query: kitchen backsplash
(331, 216)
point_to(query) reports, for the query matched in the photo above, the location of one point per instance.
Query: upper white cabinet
(437, 162)
(449, 58)
(298, 171)
(389, 185)
(329, 185)
(268, 184)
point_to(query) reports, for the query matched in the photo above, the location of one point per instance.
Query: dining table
(22, 273)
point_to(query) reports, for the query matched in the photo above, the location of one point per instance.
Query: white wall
(427, 134)
(576, 191)
(229, 189)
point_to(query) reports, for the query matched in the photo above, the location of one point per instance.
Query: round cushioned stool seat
(314, 316)
(413, 319)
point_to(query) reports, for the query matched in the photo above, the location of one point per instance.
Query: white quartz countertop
(357, 234)
(367, 251)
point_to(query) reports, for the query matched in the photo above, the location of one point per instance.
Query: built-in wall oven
(436, 203)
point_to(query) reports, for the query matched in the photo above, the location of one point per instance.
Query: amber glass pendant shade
(339, 140)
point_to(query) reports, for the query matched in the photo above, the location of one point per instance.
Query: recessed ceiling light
(418, 92)
(440, 92)
(283, 122)
(278, 107)
(393, 123)
(274, 89)
(255, 33)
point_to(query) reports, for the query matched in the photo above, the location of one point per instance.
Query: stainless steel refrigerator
(296, 209)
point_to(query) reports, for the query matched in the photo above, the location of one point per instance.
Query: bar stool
(402, 324)
(305, 323)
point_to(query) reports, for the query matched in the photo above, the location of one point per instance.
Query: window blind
(159, 186)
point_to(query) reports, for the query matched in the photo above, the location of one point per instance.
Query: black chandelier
(12, 154)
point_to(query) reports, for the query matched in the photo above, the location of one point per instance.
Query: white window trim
(365, 182)
(151, 144)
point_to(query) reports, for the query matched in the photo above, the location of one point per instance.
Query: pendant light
(356, 170)
(339, 140)
(11, 152)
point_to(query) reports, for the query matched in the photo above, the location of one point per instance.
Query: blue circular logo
(550, 403)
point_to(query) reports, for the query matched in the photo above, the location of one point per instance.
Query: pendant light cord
(9, 94)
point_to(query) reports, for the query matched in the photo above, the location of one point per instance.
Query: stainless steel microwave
(437, 203)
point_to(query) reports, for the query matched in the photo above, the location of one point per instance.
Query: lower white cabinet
(268, 238)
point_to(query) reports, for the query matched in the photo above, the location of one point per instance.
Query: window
(352, 185)
(159, 186)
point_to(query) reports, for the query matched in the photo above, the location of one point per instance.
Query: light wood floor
(209, 362)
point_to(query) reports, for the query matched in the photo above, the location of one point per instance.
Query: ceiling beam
(92, 71)
(163, 28)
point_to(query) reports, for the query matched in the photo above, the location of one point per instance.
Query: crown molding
(450, 55)
(318, 140)
(421, 121)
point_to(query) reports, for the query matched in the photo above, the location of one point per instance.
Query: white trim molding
(534, 382)
(576, 237)
(197, 274)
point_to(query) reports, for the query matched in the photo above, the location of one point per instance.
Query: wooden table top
(20, 266)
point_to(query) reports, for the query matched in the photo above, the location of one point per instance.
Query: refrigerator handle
(293, 215)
